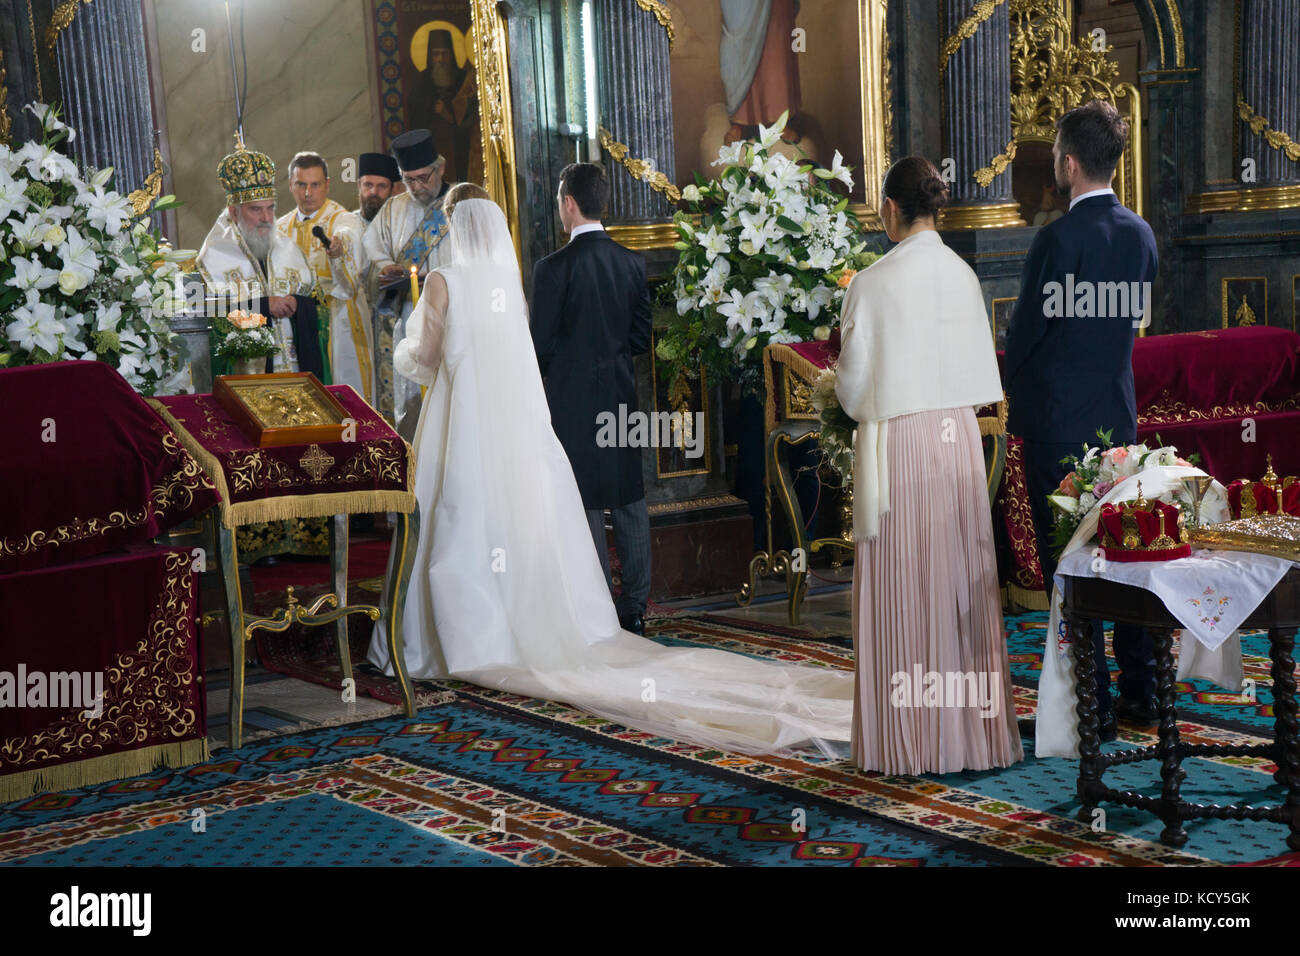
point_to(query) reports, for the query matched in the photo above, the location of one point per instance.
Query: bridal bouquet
(245, 335)
(1092, 477)
(768, 260)
(82, 276)
(837, 427)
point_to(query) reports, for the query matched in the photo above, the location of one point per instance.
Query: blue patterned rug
(493, 779)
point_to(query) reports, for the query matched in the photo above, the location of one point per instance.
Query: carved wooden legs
(1172, 773)
(1085, 678)
(1287, 746)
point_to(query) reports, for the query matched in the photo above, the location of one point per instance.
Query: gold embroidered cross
(316, 462)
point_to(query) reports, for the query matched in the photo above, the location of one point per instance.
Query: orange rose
(242, 319)
(1067, 486)
(1117, 454)
(846, 277)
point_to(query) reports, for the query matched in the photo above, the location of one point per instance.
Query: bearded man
(377, 179)
(408, 231)
(247, 264)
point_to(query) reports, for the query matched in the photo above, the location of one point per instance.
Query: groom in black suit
(1069, 370)
(590, 315)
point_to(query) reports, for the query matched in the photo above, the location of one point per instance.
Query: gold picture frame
(703, 401)
(877, 109)
(1244, 314)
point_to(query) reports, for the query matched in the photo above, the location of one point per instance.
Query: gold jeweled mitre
(246, 175)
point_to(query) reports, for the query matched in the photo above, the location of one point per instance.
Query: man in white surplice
(408, 231)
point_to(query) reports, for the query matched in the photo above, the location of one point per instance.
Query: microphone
(319, 233)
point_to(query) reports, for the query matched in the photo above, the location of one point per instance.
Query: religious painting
(427, 78)
(1244, 301)
(688, 452)
(1002, 309)
(737, 64)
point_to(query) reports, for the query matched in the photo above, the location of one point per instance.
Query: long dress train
(508, 590)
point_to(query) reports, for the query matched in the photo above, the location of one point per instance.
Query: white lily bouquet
(768, 262)
(82, 275)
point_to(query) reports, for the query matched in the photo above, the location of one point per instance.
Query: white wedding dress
(507, 590)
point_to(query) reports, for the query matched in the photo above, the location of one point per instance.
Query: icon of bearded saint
(449, 106)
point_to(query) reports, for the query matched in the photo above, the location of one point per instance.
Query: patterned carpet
(492, 779)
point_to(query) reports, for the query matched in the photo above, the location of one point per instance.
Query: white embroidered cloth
(1237, 583)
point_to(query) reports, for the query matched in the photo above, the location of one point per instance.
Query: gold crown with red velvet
(1142, 530)
(1270, 495)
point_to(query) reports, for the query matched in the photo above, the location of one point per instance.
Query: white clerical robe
(351, 348)
(230, 270)
(385, 244)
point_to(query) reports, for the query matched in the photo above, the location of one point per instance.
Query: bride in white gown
(507, 590)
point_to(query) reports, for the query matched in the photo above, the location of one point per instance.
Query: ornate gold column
(975, 71)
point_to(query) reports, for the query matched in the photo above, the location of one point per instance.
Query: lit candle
(415, 286)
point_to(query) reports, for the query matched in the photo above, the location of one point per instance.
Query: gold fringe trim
(793, 361)
(1029, 600)
(323, 505)
(93, 770)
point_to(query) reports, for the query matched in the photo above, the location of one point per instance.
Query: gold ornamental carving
(496, 123)
(965, 30)
(997, 167)
(1274, 137)
(639, 168)
(1052, 73)
(5, 122)
(662, 14)
(60, 20)
(144, 197)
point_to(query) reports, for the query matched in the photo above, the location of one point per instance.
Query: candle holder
(1196, 487)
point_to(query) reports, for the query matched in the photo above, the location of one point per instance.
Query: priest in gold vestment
(346, 344)
(409, 231)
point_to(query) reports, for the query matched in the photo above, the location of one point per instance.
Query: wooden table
(1093, 598)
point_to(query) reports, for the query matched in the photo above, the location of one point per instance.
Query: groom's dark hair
(1095, 135)
(587, 184)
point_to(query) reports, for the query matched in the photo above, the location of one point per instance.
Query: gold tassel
(1029, 600)
(95, 770)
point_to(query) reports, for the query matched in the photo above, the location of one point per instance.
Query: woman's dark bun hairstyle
(915, 184)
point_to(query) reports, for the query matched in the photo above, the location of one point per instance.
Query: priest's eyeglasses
(417, 180)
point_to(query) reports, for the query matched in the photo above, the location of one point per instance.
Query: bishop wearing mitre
(410, 230)
(336, 262)
(249, 265)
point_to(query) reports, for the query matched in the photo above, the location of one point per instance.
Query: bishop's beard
(258, 239)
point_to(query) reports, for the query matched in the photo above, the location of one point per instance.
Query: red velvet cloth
(1215, 374)
(1229, 449)
(1265, 498)
(112, 475)
(1149, 529)
(821, 354)
(129, 618)
(1013, 505)
(376, 461)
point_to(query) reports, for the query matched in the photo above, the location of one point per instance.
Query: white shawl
(915, 337)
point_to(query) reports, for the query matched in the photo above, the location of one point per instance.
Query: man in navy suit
(590, 316)
(1084, 290)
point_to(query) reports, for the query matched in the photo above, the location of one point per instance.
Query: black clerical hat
(378, 164)
(415, 149)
